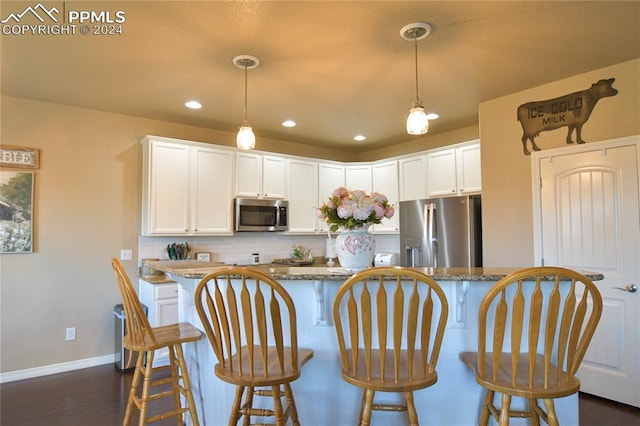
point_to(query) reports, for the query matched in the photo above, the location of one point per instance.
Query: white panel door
(589, 219)
(441, 173)
(330, 177)
(303, 195)
(359, 177)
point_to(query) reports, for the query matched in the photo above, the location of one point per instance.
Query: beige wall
(88, 201)
(506, 171)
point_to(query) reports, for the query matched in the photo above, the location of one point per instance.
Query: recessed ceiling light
(432, 116)
(289, 123)
(193, 104)
(359, 138)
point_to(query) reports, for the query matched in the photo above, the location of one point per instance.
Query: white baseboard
(30, 373)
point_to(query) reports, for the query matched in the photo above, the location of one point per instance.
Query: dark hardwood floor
(97, 397)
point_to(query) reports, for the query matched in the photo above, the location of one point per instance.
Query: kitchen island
(322, 397)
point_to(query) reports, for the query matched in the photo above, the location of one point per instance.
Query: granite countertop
(193, 269)
(157, 279)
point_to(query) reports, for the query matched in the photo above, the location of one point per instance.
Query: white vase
(355, 248)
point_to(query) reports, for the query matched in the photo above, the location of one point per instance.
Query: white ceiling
(337, 68)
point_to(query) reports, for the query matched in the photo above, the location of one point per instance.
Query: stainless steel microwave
(261, 215)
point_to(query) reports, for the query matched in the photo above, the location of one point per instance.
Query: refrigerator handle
(433, 261)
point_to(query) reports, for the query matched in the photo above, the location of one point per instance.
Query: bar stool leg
(291, 403)
(367, 406)
(134, 389)
(411, 409)
(484, 414)
(146, 389)
(186, 383)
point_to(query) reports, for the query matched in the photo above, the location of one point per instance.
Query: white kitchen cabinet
(454, 171)
(468, 169)
(330, 177)
(441, 173)
(260, 176)
(302, 178)
(211, 192)
(182, 185)
(413, 178)
(359, 177)
(385, 181)
(161, 300)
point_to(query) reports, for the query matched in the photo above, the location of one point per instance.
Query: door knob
(631, 288)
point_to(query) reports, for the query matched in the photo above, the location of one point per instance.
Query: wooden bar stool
(534, 328)
(394, 324)
(250, 321)
(145, 340)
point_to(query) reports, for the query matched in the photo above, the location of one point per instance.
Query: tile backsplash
(239, 247)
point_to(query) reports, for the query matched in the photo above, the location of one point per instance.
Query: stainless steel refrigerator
(441, 232)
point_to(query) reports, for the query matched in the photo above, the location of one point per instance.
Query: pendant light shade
(417, 121)
(245, 139)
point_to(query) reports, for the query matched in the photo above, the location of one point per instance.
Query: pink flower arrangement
(350, 209)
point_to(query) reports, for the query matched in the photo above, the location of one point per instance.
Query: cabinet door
(413, 178)
(303, 195)
(212, 192)
(273, 177)
(330, 177)
(385, 181)
(248, 174)
(166, 311)
(441, 173)
(358, 177)
(166, 201)
(468, 167)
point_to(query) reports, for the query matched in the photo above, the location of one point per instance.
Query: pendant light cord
(415, 45)
(245, 93)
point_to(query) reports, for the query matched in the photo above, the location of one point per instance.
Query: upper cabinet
(302, 178)
(330, 177)
(189, 187)
(468, 169)
(441, 173)
(186, 189)
(260, 176)
(385, 181)
(359, 176)
(413, 178)
(453, 171)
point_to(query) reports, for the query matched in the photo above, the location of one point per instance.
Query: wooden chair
(145, 340)
(394, 324)
(250, 321)
(534, 329)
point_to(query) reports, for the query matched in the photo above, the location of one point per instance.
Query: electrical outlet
(126, 254)
(71, 333)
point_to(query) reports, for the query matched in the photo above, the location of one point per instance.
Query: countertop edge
(193, 270)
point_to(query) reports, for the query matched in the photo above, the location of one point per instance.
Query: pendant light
(417, 121)
(246, 139)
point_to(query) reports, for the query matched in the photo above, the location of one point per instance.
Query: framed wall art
(16, 211)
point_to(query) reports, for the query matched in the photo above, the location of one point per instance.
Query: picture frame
(203, 256)
(17, 190)
(19, 157)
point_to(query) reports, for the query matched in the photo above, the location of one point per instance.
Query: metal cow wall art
(571, 110)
